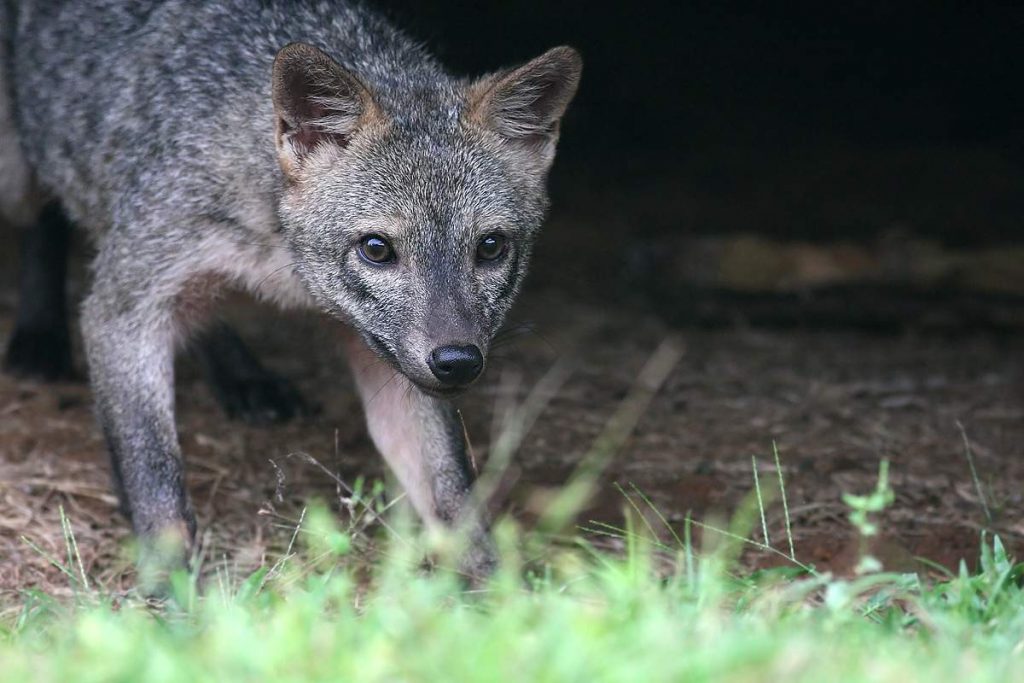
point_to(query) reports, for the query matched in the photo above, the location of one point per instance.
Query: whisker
(373, 362)
(515, 330)
(502, 356)
(506, 336)
(276, 271)
(547, 342)
(377, 393)
(263, 245)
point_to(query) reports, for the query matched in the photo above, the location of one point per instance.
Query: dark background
(817, 121)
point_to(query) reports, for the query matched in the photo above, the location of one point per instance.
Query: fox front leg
(422, 439)
(128, 327)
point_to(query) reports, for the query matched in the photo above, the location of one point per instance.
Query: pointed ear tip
(301, 55)
(567, 54)
(290, 57)
(292, 50)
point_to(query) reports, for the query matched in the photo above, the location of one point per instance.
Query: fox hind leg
(40, 347)
(245, 389)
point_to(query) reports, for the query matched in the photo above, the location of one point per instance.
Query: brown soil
(835, 403)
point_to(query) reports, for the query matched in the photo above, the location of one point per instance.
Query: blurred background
(724, 150)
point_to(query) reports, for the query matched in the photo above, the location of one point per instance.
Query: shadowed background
(894, 130)
(732, 83)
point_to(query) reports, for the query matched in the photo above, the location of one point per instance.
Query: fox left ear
(525, 105)
(316, 102)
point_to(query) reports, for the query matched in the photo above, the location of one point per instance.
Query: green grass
(571, 614)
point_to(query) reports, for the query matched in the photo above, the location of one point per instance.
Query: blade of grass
(72, 546)
(968, 451)
(605, 529)
(760, 500)
(583, 482)
(761, 546)
(688, 548)
(785, 504)
(657, 512)
(636, 508)
(49, 558)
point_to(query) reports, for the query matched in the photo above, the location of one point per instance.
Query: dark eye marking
(376, 250)
(509, 286)
(352, 281)
(491, 247)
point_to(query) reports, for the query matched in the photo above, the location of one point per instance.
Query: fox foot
(259, 400)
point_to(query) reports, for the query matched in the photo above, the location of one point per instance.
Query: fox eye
(376, 249)
(491, 247)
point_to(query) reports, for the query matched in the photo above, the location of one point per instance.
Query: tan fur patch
(393, 422)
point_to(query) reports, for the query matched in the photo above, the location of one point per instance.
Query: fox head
(412, 209)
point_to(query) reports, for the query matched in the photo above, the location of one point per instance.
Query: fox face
(411, 212)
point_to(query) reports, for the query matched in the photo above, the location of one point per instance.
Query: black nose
(456, 365)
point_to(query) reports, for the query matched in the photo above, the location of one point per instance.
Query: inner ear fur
(316, 101)
(526, 103)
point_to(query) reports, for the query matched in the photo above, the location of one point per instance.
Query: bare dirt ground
(835, 403)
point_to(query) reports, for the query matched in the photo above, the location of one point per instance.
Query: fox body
(305, 151)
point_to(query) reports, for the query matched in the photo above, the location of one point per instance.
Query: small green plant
(862, 509)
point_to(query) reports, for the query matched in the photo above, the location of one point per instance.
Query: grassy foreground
(338, 605)
(577, 615)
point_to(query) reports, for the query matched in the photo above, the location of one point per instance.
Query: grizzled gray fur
(307, 152)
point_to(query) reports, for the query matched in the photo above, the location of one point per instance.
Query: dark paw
(260, 400)
(41, 354)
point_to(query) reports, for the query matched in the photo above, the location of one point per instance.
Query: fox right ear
(316, 102)
(524, 105)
